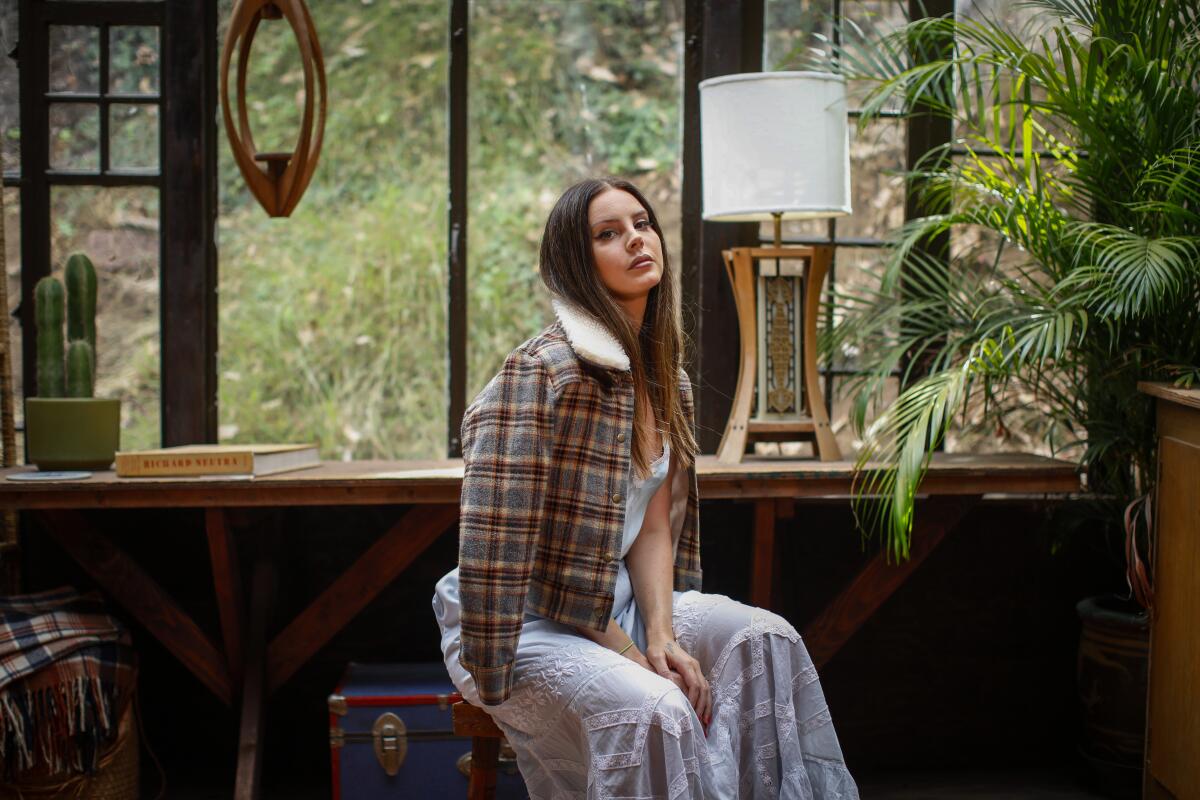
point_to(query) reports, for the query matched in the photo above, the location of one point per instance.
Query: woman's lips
(641, 261)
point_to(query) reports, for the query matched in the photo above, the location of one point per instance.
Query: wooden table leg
(485, 756)
(763, 559)
(250, 730)
(227, 587)
(355, 588)
(127, 583)
(876, 581)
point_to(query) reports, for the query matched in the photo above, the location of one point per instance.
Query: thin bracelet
(621, 652)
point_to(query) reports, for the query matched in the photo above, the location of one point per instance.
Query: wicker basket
(116, 775)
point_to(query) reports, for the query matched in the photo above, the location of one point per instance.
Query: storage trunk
(391, 736)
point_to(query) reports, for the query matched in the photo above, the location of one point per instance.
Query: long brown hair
(655, 352)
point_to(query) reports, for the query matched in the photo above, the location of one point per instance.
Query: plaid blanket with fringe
(67, 668)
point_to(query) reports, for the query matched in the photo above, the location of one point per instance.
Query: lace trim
(763, 709)
(679, 785)
(608, 719)
(633, 758)
(818, 720)
(804, 677)
(632, 716)
(773, 623)
(785, 719)
(764, 758)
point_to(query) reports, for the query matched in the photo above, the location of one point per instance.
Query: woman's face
(626, 249)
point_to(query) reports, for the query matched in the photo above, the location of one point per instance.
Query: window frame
(719, 38)
(187, 194)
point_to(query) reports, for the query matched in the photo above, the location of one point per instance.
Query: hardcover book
(216, 459)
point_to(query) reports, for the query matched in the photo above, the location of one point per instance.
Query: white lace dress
(588, 723)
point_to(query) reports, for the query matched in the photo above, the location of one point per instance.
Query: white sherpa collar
(589, 337)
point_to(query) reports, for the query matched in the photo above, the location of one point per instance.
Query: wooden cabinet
(1173, 715)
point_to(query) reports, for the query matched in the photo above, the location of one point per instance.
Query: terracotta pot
(1114, 646)
(72, 432)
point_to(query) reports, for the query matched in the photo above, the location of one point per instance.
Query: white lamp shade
(774, 142)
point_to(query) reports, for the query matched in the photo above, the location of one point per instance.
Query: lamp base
(768, 313)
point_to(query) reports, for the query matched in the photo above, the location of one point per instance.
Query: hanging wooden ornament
(281, 179)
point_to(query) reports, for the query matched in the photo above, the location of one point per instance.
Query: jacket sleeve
(506, 439)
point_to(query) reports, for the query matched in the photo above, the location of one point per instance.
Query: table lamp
(775, 146)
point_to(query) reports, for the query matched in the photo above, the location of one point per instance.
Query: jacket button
(620, 437)
(617, 497)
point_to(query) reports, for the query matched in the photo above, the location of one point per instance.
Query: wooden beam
(138, 593)
(227, 587)
(458, 135)
(878, 580)
(250, 728)
(188, 257)
(33, 77)
(720, 38)
(762, 577)
(355, 588)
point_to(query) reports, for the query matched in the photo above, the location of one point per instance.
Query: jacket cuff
(494, 684)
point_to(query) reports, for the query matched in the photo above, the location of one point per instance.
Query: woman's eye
(606, 234)
(642, 223)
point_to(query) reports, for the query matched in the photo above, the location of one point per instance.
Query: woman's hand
(667, 658)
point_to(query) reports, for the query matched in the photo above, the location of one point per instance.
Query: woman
(579, 513)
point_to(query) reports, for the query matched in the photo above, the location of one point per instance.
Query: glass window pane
(133, 59)
(839, 420)
(876, 183)
(333, 323)
(133, 136)
(795, 32)
(12, 255)
(118, 229)
(10, 109)
(875, 19)
(856, 271)
(560, 92)
(74, 58)
(74, 136)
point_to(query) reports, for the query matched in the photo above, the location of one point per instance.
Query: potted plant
(65, 426)
(1073, 192)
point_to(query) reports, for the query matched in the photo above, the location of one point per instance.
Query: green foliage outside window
(333, 322)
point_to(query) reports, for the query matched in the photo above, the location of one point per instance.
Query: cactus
(80, 363)
(48, 312)
(81, 302)
(77, 374)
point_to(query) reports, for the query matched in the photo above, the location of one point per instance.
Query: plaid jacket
(546, 449)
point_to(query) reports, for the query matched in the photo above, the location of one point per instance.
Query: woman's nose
(635, 240)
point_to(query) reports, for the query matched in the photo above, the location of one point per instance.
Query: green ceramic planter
(72, 432)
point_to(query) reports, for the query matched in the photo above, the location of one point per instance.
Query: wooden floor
(980, 785)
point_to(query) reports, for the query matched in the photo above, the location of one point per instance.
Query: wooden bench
(486, 738)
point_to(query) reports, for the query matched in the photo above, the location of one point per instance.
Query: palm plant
(1077, 173)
